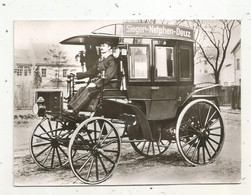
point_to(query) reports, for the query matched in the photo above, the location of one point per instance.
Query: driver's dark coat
(110, 67)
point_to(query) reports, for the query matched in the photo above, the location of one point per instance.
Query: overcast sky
(52, 32)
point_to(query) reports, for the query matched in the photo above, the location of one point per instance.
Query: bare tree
(56, 57)
(213, 42)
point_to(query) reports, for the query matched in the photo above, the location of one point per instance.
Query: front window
(138, 62)
(164, 62)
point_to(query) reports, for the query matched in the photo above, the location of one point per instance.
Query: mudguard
(113, 109)
(196, 94)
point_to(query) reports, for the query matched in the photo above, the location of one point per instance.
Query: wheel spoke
(215, 128)
(215, 134)
(96, 163)
(203, 151)
(188, 150)
(143, 147)
(216, 120)
(153, 148)
(89, 171)
(95, 131)
(44, 138)
(81, 157)
(209, 110)
(88, 133)
(212, 116)
(59, 159)
(109, 143)
(213, 141)
(42, 151)
(208, 151)
(63, 151)
(45, 131)
(102, 163)
(189, 141)
(106, 136)
(190, 126)
(107, 158)
(41, 144)
(148, 148)
(113, 151)
(87, 160)
(198, 154)
(211, 145)
(45, 159)
(49, 123)
(52, 160)
(195, 150)
(195, 117)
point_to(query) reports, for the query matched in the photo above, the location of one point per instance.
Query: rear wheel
(49, 142)
(151, 148)
(200, 132)
(96, 148)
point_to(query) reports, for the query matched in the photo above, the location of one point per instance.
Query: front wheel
(48, 144)
(96, 147)
(200, 132)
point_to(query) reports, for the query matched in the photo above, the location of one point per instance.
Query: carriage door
(186, 69)
(163, 103)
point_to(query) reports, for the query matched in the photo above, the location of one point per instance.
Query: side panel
(163, 104)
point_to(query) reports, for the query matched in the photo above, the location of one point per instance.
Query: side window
(164, 62)
(139, 63)
(43, 72)
(185, 63)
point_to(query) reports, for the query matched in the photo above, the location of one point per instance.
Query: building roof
(236, 46)
(22, 57)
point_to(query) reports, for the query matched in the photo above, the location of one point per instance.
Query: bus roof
(115, 32)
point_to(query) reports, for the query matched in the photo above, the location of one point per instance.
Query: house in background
(23, 79)
(237, 63)
(26, 61)
(203, 72)
(231, 70)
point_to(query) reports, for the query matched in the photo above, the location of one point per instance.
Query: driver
(106, 63)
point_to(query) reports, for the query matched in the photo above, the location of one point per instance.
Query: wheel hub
(204, 133)
(96, 150)
(54, 143)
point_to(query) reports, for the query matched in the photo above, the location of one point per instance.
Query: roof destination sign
(157, 30)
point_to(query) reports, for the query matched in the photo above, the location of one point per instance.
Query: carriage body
(156, 102)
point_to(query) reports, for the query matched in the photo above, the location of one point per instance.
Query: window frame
(42, 74)
(65, 72)
(148, 79)
(185, 47)
(165, 79)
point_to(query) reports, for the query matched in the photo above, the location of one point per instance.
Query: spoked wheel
(97, 145)
(49, 142)
(151, 148)
(200, 132)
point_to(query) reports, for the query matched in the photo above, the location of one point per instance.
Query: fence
(228, 95)
(231, 95)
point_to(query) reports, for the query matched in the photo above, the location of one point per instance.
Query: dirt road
(170, 168)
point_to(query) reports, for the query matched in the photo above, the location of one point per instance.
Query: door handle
(155, 88)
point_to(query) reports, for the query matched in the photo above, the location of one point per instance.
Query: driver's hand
(91, 85)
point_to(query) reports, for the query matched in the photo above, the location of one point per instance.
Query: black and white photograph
(127, 102)
(125, 97)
